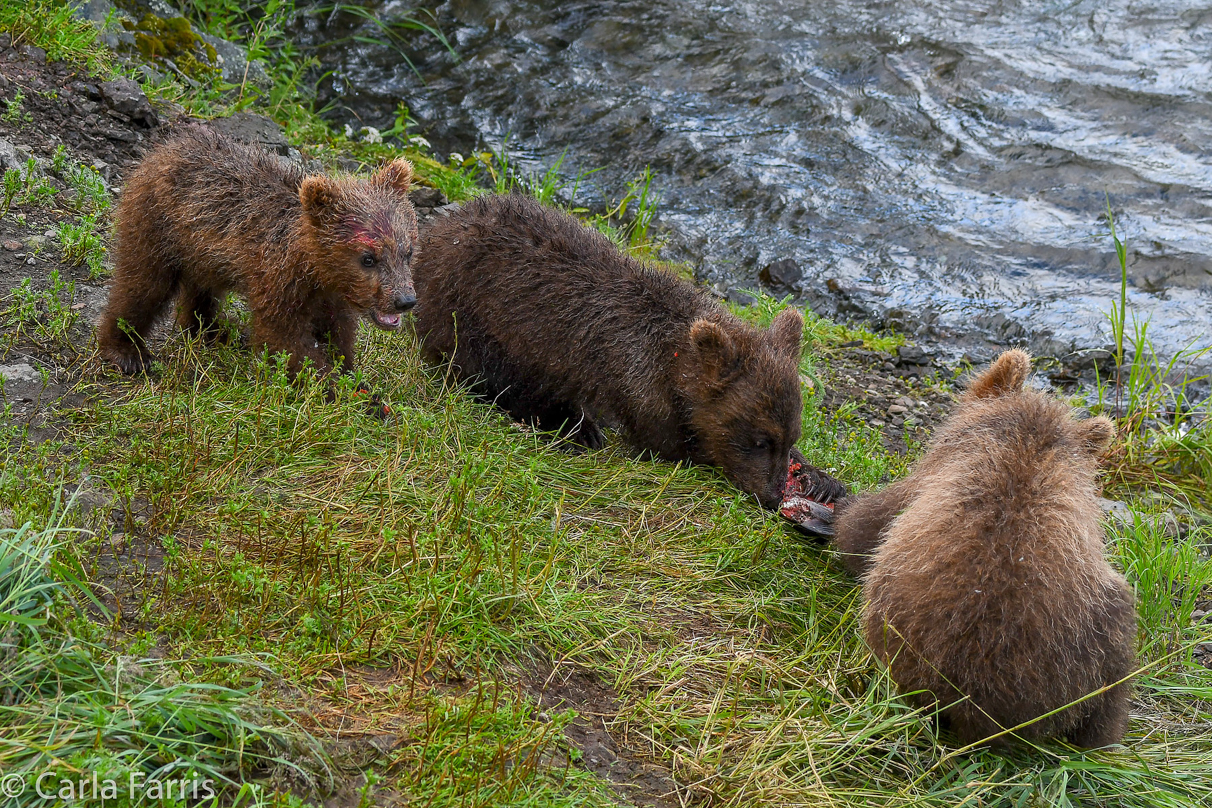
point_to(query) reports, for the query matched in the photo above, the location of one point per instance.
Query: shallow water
(948, 160)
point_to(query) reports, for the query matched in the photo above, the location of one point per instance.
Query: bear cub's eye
(369, 260)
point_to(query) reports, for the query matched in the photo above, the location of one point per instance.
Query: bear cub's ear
(1007, 374)
(787, 332)
(396, 175)
(320, 196)
(715, 349)
(1096, 434)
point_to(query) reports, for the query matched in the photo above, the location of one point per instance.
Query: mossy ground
(465, 612)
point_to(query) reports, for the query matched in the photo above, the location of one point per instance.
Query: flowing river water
(947, 162)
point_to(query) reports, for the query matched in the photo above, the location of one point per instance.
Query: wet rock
(424, 197)
(11, 157)
(782, 274)
(847, 302)
(256, 129)
(122, 135)
(976, 356)
(234, 64)
(87, 89)
(1080, 361)
(912, 355)
(12, 246)
(126, 97)
(1122, 514)
(150, 74)
(20, 372)
(1000, 327)
(98, 12)
(34, 54)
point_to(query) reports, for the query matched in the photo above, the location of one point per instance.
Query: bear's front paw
(587, 433)
(131, 362)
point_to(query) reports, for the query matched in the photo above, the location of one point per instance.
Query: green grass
(70, 705)
(1165, 435)
(452, 552)
(50, 25)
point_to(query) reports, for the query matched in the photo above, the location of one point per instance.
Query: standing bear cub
(550, 321)
(204, 215)
(985, 583)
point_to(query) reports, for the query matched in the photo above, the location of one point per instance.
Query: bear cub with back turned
(984, 575)
(549, 320)
(204, 215)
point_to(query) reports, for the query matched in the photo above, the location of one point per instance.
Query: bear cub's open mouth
(388, 322)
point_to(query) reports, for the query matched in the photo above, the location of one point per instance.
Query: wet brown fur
(553, 323)
(204, 215)
(987, 577)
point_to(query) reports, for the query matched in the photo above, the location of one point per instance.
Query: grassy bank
(462, 613)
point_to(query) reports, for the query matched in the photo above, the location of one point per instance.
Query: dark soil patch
(58, 106)
(65, 105)
(635, 777)
(128, 563)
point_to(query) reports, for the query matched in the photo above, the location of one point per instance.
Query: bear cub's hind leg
(198, 314)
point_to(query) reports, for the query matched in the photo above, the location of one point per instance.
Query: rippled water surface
(949, 158)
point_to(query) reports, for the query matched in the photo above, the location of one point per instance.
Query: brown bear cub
(988, 590)
(204, 215)
(549, 320)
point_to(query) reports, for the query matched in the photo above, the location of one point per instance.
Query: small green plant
(13, 109)
(36, 190)
(399, 130)
(91, 193)
(1118, 314)
(547, 188)
(12, 187)
(632, 233)
(630, 230)
(44, 316)
(82, 245)
(60, 162)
